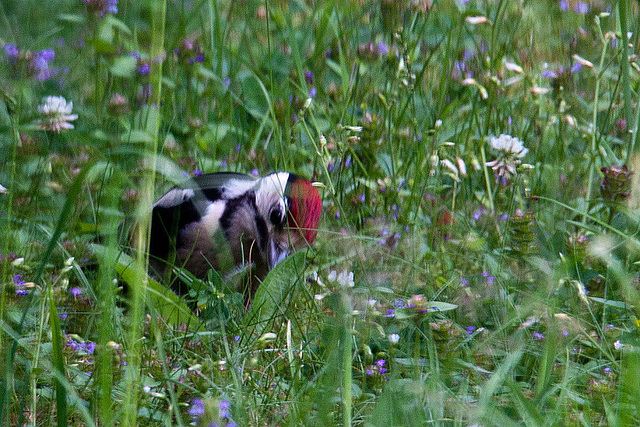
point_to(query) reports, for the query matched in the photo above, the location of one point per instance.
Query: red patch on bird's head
(305, 206)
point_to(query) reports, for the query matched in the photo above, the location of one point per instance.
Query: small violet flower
(197, 408)
(11, 51)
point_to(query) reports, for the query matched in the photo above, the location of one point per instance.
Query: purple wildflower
(47, 55)
(11, 51)
(471, 329)
(565, 333)
(581, 8)
(607, 369)
(383, 50)
(143, 69)
(564, 5)
(576, 67)
(538, 336)
(478, 214)
(313, 92)
(90, 348)
(75, 292)
(39, 64)
(224, 409)
(199, 58)
(145, 93)
(381, 362)
(369, 371)
(308, 76)
(197, 408)
(102, 7)
(549, 74)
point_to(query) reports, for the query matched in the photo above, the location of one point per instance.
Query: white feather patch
(237, 187)
(274, 183)
(270, 192)
(210, 221)
(174, 197)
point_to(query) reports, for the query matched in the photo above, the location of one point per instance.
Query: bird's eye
(276, 217)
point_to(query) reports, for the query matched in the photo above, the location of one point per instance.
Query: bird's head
(291, 207)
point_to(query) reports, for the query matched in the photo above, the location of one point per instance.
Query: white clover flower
(510, 151)
(394, 338)
(344, 278)
(56, 114)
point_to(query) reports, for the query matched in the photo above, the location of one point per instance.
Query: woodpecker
(227, 220)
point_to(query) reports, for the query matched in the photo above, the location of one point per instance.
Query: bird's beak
(276, 253)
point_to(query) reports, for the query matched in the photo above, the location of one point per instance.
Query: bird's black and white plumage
(225, 220)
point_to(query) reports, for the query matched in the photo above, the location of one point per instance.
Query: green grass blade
(269, 300)
(58, 362)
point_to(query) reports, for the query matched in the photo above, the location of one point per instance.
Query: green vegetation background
(459, 277)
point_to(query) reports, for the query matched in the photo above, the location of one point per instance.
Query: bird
(228, 220)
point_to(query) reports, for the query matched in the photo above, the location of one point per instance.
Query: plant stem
(141, 237)
(7, 377)
(626, 85)
(347, 362)
(594, 127)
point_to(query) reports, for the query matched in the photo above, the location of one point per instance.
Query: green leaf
(611, 303)
(58, 361)
(158, 297)
(102, 46)
(137, 136)
(70, 17)
(269, 300)
(116, 23)
(124, 66)
(441, 306)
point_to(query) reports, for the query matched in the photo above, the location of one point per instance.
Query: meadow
(477, 260)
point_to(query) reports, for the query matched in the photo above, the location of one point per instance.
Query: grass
(444, 287)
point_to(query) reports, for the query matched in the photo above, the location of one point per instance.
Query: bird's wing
(218, 180)
(208, 187)
(222, 185)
